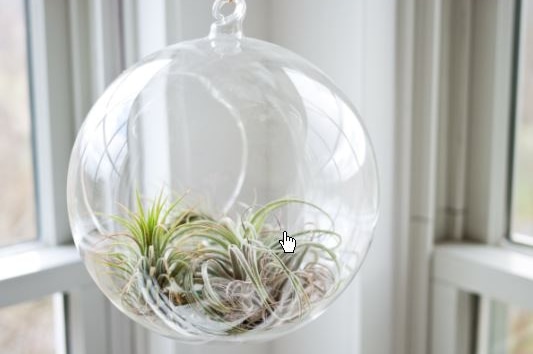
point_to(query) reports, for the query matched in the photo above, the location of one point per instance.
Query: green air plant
(231, 273)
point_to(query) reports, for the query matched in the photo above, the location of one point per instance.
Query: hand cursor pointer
(287, 243)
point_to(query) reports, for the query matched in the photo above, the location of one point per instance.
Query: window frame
(455, 98)
(75, 50)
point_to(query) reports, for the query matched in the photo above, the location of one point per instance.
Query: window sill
(34, 274)
(499, 273)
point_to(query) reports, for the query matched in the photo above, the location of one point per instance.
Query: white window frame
(455, 93)
(75, 50)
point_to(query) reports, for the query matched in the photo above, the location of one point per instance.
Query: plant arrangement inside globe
(233, 272)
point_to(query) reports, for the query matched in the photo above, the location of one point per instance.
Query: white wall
(354, 42)
(378, 109)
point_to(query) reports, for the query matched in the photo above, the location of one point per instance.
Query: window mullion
(60, 328)
(452, 329)
(88, 321)
(422, 114)
(105, 43)
(51, 111)
(454, 118)
(490, 99)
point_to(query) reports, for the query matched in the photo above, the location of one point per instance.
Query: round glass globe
(223, 189)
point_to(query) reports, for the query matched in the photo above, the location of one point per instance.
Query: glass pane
(27, 328)
(17, 201)
(512, 330)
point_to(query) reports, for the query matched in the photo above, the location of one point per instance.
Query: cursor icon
(287, 243)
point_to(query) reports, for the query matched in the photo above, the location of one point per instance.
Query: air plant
(174, 261)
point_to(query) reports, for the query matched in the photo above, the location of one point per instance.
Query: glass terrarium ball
(223, 189)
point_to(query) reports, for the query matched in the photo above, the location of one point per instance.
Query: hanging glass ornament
(223, 189)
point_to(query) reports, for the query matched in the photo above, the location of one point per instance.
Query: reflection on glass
(522, 218)
(512, 330)
(27, 328)
(17, 202)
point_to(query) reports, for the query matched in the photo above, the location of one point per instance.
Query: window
(49, 76)
(28, 328)
(469, 288)
(17, 204)
(511, 324)
(512, 331)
